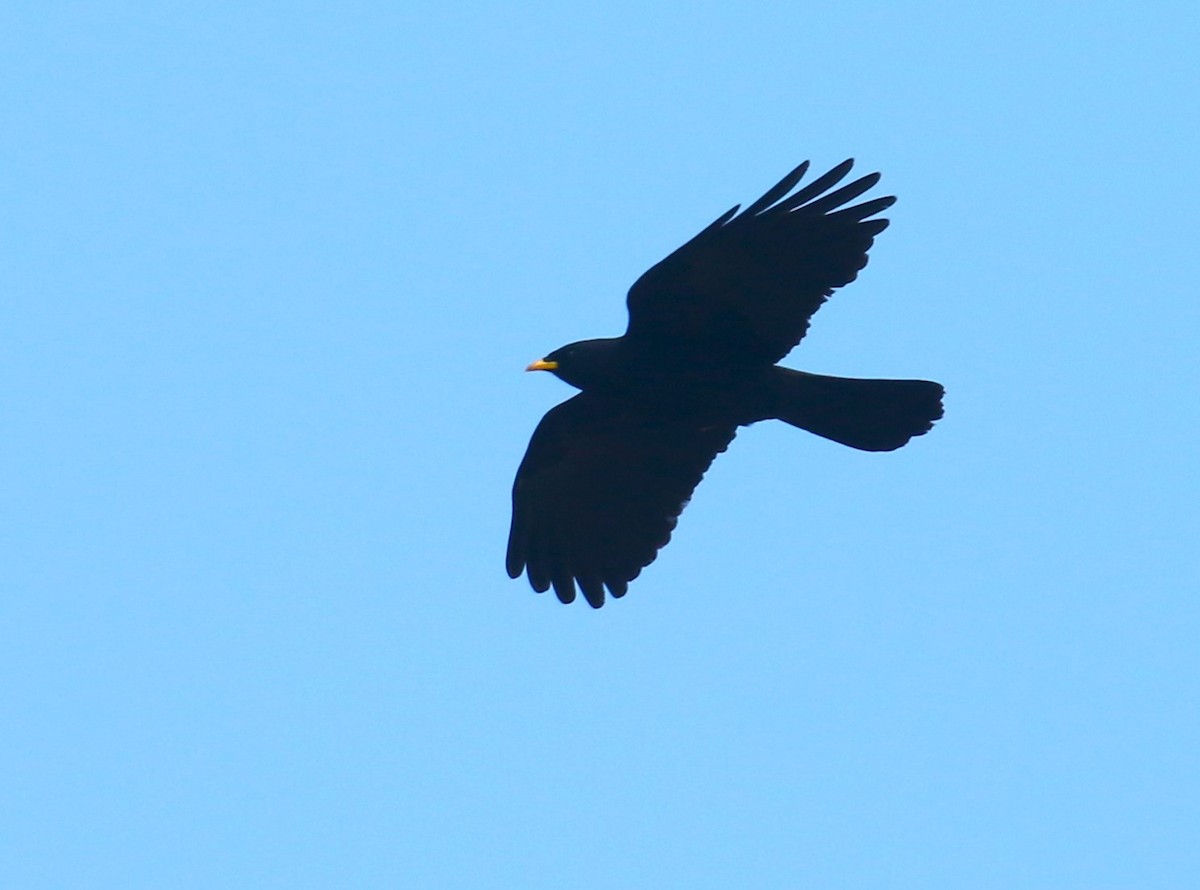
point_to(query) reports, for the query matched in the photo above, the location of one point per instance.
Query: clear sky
(270, 274)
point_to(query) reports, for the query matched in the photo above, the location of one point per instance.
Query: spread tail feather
(873, 415)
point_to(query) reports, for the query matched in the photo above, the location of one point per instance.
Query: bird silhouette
(608, 472)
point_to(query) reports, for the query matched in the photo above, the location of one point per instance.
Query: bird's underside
(608, 472)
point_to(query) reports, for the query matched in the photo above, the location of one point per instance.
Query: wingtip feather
(778, 190)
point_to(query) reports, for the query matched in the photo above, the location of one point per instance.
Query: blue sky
(270, 277)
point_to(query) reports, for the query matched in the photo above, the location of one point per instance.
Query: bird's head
(587, 364)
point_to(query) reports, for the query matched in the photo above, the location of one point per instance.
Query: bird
(608, 472)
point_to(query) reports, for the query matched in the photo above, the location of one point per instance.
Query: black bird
(608, 472)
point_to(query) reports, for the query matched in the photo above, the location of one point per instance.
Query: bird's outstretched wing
(599, 492)
(743, 290)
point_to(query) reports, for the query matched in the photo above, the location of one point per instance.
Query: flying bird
(608, 471)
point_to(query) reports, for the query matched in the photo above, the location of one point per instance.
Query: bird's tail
(874, 415)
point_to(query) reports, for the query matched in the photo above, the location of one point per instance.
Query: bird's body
(608, 472)
(622, 368)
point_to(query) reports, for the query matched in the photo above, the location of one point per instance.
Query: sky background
(269, 276)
